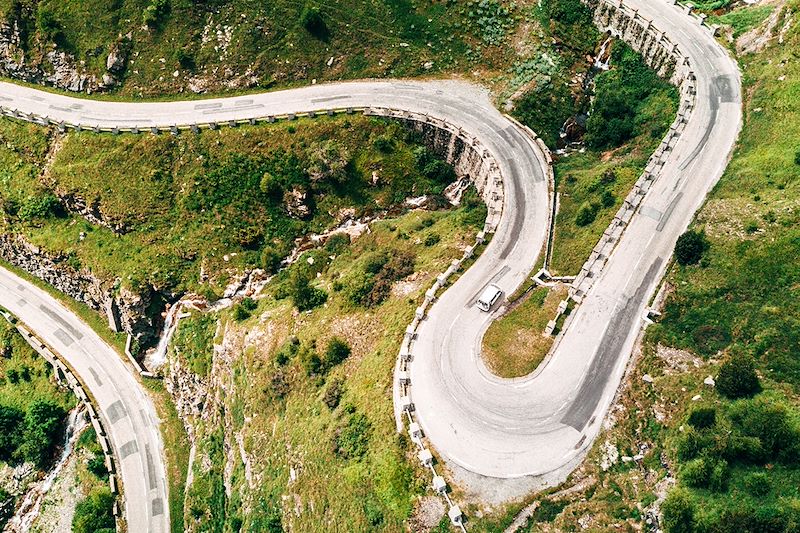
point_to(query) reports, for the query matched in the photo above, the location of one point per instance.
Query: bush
(40, 207)
(797, 157)
(690, 247)
(94, 513)
(155, 13)
(333, 394)
(310, 359)
(737, 377)
(287, 351)
(97, 466)
(586, 214)
(311, 19)
(11, 420)
(695, 473)
(431, 239)
(44, 424)
(305, 296)
(703, 417)
(351, 440)
(337, 351)
(678, 512)
(772, 424)
(279, 385)
(758, 484)
(240, 313)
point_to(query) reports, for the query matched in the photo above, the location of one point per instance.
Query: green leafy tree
(11, 420)
(304, 295)
(737, 377)
(690, 247)
(44, 424)
(95, 513)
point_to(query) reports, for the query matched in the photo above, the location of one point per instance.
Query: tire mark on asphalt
(608, 354)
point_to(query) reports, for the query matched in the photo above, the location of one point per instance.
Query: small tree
(737, 377)
(95, 513)
(586, 214)
(690, 247)
(304, 295)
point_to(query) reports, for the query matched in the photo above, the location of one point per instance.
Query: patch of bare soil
(428, 512)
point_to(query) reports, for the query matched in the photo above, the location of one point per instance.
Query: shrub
(94, 513)
(279, 385)
(737, 377)
(11, 420)
(329, 162)
(351, 440)
(703, 417)
(771, 422)
(240, 313)
(155, 13)
(333, 394)
(337, 351)
(311, 19)
(586, 214)
(384, 144)
(337, 243)
(271, 259)
(695, 473)
(97, 466)
(44, 423)
(758, 484)
(690, 247)
(287, 351)
(607, 199)
(305, 296)
(678, 512)
(39, 207)
(310, 359)
(797, 157)
(431, 239)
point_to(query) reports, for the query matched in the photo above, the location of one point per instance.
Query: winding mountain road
(491, 427)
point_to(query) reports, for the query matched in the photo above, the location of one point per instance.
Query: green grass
(743, 19)
(515, 345)
(32, 378)
(277, 409)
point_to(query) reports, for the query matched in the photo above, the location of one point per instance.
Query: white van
(489, 297)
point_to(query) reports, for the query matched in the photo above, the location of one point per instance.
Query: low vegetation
(515, 345)
(309, 393)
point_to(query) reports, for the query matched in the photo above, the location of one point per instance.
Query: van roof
(489, 293)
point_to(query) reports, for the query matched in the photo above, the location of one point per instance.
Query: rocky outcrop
(131, 311)
(55, 68)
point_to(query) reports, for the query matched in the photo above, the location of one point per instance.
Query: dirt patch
(410, 285)
(428, 512)
(677, 361)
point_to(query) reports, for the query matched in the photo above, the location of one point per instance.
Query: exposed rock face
(56, 68)
(130, 309)
(117, 60)
(296, 203)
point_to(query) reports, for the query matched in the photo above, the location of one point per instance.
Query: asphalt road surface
(540, 424)
(491, 427)
(129, 415)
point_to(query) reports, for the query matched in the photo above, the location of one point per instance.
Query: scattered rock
(696, 397)
(709, 381)
(647, 378)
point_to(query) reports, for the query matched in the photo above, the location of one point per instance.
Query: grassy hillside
(307, 395)
(222, 200)
(219, 45)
